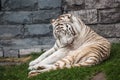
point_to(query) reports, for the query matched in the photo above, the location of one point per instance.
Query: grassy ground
(111, 67)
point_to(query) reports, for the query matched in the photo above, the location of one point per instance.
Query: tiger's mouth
(66, 41)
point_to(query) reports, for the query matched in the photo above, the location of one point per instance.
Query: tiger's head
(63, 29)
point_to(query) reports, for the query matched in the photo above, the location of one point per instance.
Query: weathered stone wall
(25, 25)
(101, 15)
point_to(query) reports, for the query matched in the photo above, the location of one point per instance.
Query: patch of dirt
(14, 61)
(99, 76)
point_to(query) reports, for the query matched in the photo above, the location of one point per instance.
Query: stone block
(108, 30)
(1, 52)
(44, 16)
(19, 5)
(109, 15)
(19, 17)
(117, 1)
(117, 27)
(38, 29)
(98, 4)
(49, 4)
(73, 5)
(5, 43)
(114, 40)
(35, 49)
(10, 31)
(0, 6)
(27, 17)
(27, 42)
(74, 2)
(88, 16)
(9, 63)
(24, 43)
(22, 47)
(24, 52)
(19, 43)
(8, 52)
(47, 40)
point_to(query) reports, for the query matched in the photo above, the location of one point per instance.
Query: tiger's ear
(53, 20)
(70, 17)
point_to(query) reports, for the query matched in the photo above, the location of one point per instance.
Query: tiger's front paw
(33, 73)
(32, 63)
(37, 67)
(32, 67)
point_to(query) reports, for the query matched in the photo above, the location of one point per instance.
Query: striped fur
(76, 45)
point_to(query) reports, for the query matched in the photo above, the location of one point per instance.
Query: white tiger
(76, 45)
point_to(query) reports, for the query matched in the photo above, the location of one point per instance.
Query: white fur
(51, 56)
(71, 47)
(48, 58)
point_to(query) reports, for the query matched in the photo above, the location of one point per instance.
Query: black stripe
(103, 50)
(64, 62)
(82, 57)
(97, 52)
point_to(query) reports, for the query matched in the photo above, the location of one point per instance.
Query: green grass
(111, 67)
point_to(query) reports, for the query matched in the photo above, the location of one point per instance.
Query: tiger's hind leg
(88, 62)
(82, 60)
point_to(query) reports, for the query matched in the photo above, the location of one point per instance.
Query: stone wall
(101, 15)
(25, 25)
